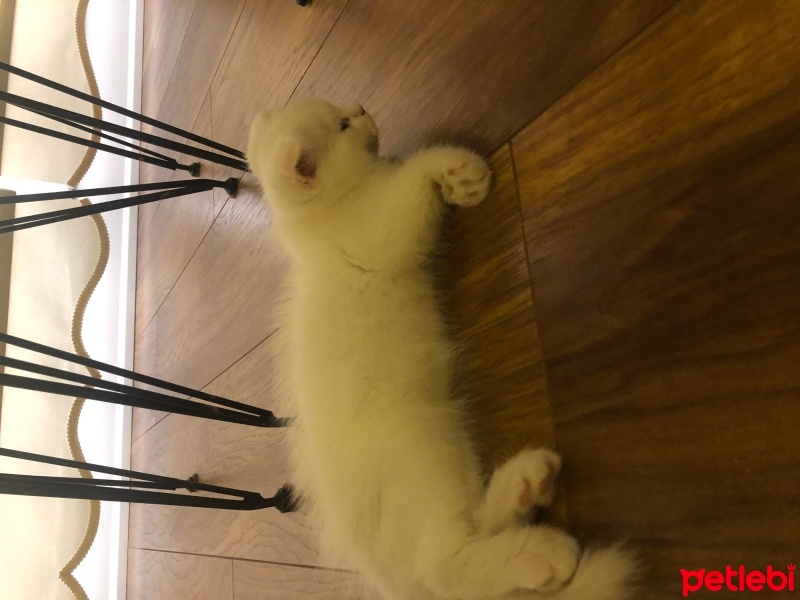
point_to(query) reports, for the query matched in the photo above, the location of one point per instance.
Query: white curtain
(42, 540)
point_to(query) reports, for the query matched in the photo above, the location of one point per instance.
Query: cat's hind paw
(466, 178)
(525, 482)
(548, 561)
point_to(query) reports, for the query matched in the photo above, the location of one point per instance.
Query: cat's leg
(540, 559)
(413, 212)
(527, 480)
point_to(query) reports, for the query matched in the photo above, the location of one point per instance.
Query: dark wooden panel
(491, 306)
(490, 303)
(661, 202)
(465, 70)
(270, 50)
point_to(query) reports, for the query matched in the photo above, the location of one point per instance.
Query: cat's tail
(602, 574)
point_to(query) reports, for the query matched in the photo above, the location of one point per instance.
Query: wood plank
(151, 18)
(255, 581)
(163, 576)
(187, 45)
(492, 309)
(145, 361)
(662, 218)
(466, 71)
(225, 103)
(165, 27)
(268, 54)
(169, 241)
(230, 455)
(165, 245)
(207, 36)
(490, 303)
(224, 303)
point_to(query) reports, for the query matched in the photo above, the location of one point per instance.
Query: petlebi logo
(738, 580)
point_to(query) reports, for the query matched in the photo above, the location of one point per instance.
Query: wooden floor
(630, 292)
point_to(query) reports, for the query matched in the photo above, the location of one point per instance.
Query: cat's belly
(392, 474)
(373, 375)
(354, 345)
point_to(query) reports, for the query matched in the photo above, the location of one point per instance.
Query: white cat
(381, 444)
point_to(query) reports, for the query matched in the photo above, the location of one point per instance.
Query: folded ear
(296, 161)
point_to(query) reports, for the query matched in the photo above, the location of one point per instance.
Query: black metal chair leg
(212, 407)
(231, 185)
(121, 110)
(71, 117)
(139, 488)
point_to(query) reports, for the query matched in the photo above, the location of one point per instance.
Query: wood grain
(165, 25)
(465, 71)
(164, 248)
(492, 309)
(230, 455)
(255, 581)
(268, 54)
(145, 361)
(662, 217)
(156, 575)
(204, 43)
(491, 306)
(224, 303)
(168, 237)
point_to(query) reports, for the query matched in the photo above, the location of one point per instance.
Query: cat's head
(310, 149)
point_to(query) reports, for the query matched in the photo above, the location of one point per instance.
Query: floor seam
(591, 72)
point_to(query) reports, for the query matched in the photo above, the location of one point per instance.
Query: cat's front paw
(466, 178)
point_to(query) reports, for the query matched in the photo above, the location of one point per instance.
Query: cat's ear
(297, 161)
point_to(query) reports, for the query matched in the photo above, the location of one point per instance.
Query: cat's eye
(344, 124)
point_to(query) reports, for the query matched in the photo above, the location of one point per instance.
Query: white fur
(382, 451)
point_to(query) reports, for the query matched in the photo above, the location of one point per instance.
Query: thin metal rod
(147, 399)
(80, 488)
(170, 164)
(146, 379)
(150, 399)
(67, 214)
(120, 189)
(95, 468)
(47, 109)
(120, 110)
(105, 136)
(109, 494)
(41, 479)
(285, 499)
(64, 389)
